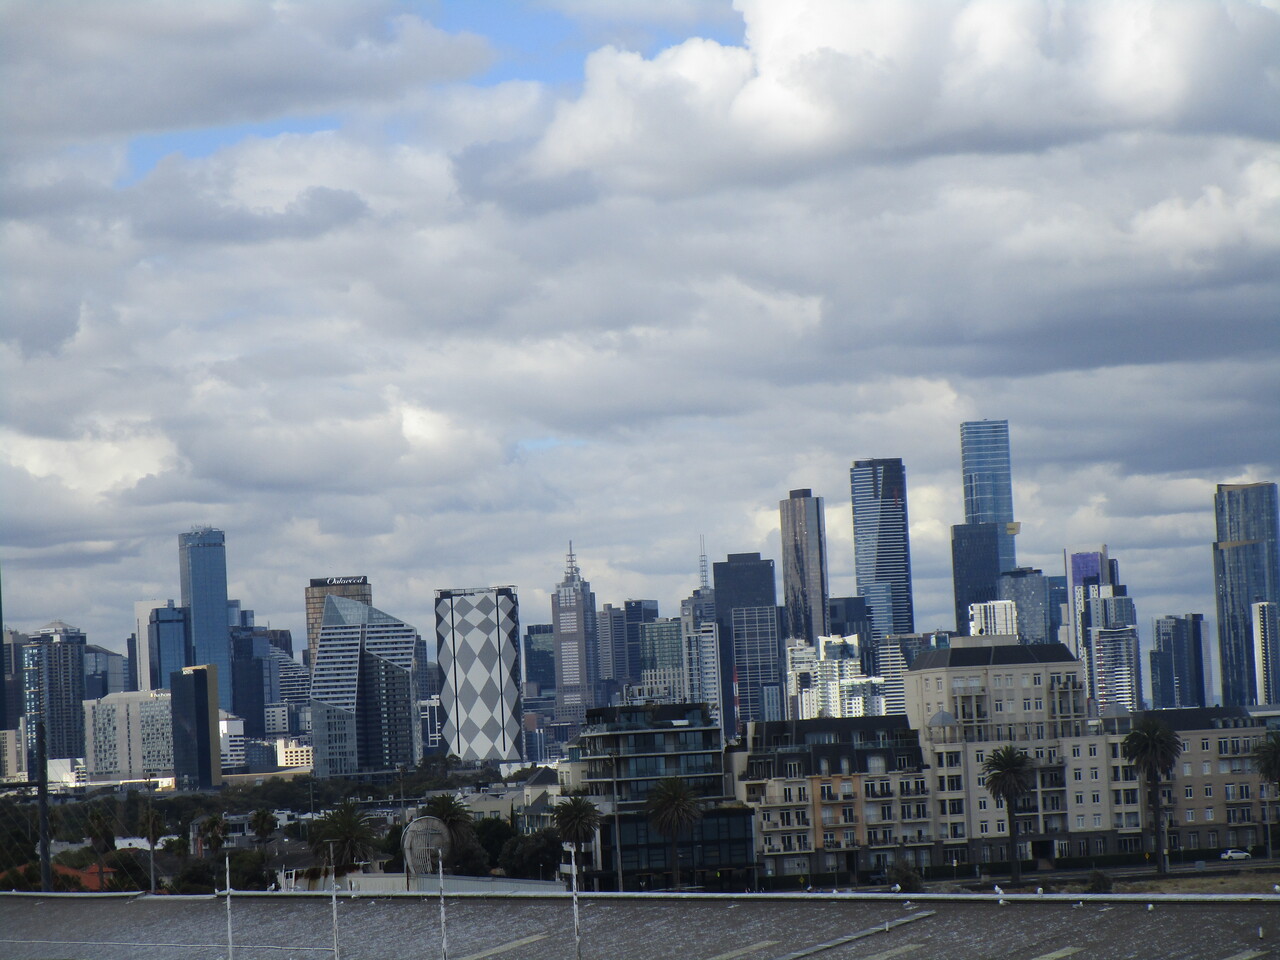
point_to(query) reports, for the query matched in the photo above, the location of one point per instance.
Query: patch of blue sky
(535, 42)
(149, 149)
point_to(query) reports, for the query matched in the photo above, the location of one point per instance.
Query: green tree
(576, 821)
(673, 808)
(493, 834)
(263, 823)
(102, 836)
(1009, 776)
(1153, 748)
(466, 856)
(1266, 759)
(213, 832)
(534, 856)
(348, 832)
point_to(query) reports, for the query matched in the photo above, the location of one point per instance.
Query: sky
(424, 291)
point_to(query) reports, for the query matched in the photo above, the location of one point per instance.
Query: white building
(129, 736)
(993, 618)
(825, 679)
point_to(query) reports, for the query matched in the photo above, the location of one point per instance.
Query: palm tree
(1153, 748)
(213, 831)
(673, 808)
(576, 821)
(453, 813)
(1008, 775)
(263, 823)
(345, 832)
(1266, 758)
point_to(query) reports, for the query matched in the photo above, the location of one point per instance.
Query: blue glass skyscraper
(202, 564)
(988, 483)
(882, 545)
(1246, 570)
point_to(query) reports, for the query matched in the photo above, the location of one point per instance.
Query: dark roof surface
(993, 656)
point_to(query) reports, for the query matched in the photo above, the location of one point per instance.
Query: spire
(703, 579)
(571, 571)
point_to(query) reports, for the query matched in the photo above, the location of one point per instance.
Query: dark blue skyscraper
(746, 596)
(804, 565)
(1177, 662)
(202, 564)
(988, 483)
(882, 544)
(1246, 570)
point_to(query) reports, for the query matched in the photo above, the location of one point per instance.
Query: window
(1206, 768)
(793, 769)
(1026, 703)
(1097, 819)
(1208, 789)
(980, 756)
(1075, 751)
(1036, 680)
(1208, 813)
(1204, 744)
(1077, 774)
(1095, 798)
(1186, 769)
(1079, 799)
(1039, 703)
(1080, 820)
(1189, 792)
(982, 827)
(1093, 773)
(982, 803)
(828, 838)
(1093, 749)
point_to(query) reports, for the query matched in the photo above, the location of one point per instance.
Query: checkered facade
(477, 647)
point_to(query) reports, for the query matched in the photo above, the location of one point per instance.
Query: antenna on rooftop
(702, 561)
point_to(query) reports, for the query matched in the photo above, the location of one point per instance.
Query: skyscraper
(202, 565)
(364, 691)
(478, 649)
(53, 688)
(746, 596)
(1102, 628)
(975, 567)
(356, 588)
(1246, 570)
(882, 544)
(197, 746)
(1029, 589)
(1177, 662)
(804, 565)
(1265, 624)
(988, 482)
(573, 621)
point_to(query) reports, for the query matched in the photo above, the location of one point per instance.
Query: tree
(493, 833)
(534, 856)
(102, 836)
(153, 827)
(1266, 758)
(1154, 748)
(1008, 776)
(576, 821)
(346, 833)
(673, 808)
(466, 856)
(213, 831)
(263, 823)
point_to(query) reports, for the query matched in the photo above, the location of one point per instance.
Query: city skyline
(425, 309)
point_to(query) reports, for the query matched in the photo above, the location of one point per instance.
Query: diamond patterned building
(477, 647)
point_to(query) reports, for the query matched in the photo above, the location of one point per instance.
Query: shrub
(906, 876)
(1099, 882)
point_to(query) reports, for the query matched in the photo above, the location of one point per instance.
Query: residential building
(882, 544)
(129, 736)
(1264, 625)
(804, 565)
(478, 649)
(835, 798)
(202, 566)
(1177, 662)
(53, 689)
(1039, 604)
(364, 691)
(988, 483)
(1246, 570)
(1101, 628)
(998, 618)
(357, 588)
(197, 745)
(573, 623)
(825, 679)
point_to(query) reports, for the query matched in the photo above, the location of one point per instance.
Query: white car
(1234, 854)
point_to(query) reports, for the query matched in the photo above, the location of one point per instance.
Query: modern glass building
(356, 588)
(577, 643)
(988, 482)
(53, 689)
(1177, 662)
(804, 565)
(882, 544)
(197, 747)
(202, 567)
(975, 567)
(745, 581)
(1246, 570)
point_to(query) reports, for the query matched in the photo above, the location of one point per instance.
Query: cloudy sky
(425, 290)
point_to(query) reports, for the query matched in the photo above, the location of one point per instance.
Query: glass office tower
(202, 565)
(882, 544)
(1246, 570)
(988, 482)
(804, 565)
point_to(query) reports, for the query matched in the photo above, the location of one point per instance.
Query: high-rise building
(1029, 588)
(573, 621)
(1265, 627)
(105, 671)
(746, 597)
(197, 746)
(364, 691)
(169, 643)
(478, 649)
(975, 567)
(53, 689)
(1102, 629)
(1246, 570)
(11, 643)
(142, 657)
(202, 565)
(619, 630)
(539, 659)
(353, 588)
(129, 736)
(882, 544)
(995, 618)
(988, 483)
(804, 565)
(1177, 662)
